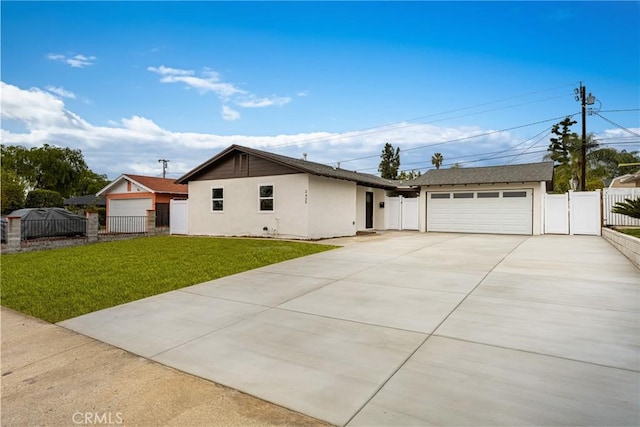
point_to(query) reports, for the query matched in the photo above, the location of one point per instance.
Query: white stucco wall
(241, 215)
(378, 212)
(121, 187)
(538, 188)
(331, 204)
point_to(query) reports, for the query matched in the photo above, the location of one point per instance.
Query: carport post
(14, 232)
(151, 222)
(93, 224)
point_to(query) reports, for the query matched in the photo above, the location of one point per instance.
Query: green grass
(635, 232)
(54, 285)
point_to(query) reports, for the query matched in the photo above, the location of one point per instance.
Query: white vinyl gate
(610, 197)
(573, 213)
(401, 213)
(178, 218)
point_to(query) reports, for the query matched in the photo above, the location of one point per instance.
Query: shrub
(629, 207)
(44, 199)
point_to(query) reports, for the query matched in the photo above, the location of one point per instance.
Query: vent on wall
(241, 165)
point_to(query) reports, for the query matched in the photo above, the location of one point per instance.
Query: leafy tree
(52, 168)
(436, 160)
(412, 174)
(456, 166)
(608, 160)
(565, 150)
(630, 207)
(44, 199)
(390, 162)
(13, 191)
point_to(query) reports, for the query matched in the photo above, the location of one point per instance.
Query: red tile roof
(160, 185)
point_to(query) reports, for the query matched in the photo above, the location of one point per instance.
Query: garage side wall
(331, 204)
(241, 215)
(537, 194)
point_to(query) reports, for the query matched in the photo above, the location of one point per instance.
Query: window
(489, 195)
(514, 194)
(217, 199)
(266, 198)
(463, 195)
(440, 195)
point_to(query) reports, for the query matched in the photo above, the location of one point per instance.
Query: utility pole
(164, 167)
(584, 101)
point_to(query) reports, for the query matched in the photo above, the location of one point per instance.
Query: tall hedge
(44, 199)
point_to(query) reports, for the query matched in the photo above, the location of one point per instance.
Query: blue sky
(129, 83)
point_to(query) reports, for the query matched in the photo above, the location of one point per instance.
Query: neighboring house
(248, 192)
(631, 180)
(133, 195)
(497, 199)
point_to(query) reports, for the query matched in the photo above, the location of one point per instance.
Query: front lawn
(635, 232)
(55, 285)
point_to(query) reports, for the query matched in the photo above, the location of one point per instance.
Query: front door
(369, 210)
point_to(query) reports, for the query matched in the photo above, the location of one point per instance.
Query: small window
(440, 196)
(463, 195)
(266, 198)
(217, 199)
(514, 194)
(489, 195)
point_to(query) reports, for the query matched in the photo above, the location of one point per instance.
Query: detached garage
(497, 199)
(130, 197)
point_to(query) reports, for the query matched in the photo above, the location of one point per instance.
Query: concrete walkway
(411, 329)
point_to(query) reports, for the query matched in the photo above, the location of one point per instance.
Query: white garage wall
(538, 202)
(331, 206)
(241, 215)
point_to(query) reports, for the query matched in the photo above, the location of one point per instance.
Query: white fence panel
(178, 219)
(556, 213)
(610, 197)
(584, 213)
(393, 213)
(401, 213)
(410, 214)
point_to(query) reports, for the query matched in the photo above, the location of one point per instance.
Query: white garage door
(499, 211)
(129, 207)
(128, 215)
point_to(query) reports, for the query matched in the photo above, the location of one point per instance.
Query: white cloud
(210, 81)
(135, 144)
(162, 70)
(254, 102)
(229, 113)
(303, 93)
(60, 91)
(76, 61)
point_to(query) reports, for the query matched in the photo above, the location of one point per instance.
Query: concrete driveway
(411, 329)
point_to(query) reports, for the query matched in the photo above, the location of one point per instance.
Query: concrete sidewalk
(412, 329)
(55, 377)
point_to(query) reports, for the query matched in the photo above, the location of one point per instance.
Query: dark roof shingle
(530, 172)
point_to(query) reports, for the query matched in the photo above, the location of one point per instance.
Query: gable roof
(149, 183)
(529, 172)
(303, 166)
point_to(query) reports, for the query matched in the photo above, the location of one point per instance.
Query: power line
(465, 138)
(615, 124)
(419, 120)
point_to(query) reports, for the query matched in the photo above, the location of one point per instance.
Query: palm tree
(436, 160)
